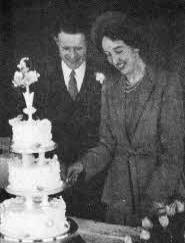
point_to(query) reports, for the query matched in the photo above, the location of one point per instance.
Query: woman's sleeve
(171, 134)
(98, 158)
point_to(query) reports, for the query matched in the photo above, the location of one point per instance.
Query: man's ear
(55, 39)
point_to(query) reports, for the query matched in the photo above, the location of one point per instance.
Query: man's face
(72, 48)
(120, 55)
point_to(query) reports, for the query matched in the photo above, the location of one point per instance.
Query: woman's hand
(73, 173)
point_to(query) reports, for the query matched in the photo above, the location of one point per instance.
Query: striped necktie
(72, 85)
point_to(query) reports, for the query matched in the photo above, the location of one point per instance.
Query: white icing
(35, 177)
(31, 134)
(32, 216)
(38, 222)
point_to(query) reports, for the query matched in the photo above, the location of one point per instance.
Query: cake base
(33, 220)
(70, 232)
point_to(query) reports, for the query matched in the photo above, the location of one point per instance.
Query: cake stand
(26, 162)
(42, 197)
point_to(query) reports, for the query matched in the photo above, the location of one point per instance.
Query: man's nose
(72, 53)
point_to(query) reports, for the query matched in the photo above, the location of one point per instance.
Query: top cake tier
(31, 136)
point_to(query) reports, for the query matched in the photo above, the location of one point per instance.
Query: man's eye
(78, 48)
(65, 48)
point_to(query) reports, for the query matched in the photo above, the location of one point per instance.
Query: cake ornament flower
(180, 206)
(100, 77)
(146, 223)
(144, 235)
(171, 209)
(160, 207)
(18, 77)
(127, 239)
(24, 77)
(22, 65)
(164, 221)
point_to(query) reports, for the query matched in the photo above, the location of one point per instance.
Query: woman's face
(120, 55)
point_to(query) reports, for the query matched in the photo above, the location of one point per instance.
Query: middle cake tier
(34, 178)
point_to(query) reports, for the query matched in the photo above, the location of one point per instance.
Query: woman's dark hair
(117, 26)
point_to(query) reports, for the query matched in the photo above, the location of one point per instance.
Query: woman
(142, 126)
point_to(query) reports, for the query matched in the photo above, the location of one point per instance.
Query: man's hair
(71, 23)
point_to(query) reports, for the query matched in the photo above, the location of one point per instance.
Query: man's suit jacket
(144, 163)
(76, 129)
(75, 123)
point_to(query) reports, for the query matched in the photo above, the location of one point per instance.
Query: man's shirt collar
(79, 74)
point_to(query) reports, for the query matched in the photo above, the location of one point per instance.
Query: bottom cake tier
(35, 222)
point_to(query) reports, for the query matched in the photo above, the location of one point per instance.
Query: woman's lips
(121, 65)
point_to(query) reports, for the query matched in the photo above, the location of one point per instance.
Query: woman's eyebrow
(118, 47)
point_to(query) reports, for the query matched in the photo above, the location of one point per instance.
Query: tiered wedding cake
(31, 216)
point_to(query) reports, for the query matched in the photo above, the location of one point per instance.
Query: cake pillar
(29, 201)
(29, 110)
(27, 89)
(27, 159)
(44, 200)
(41, 158)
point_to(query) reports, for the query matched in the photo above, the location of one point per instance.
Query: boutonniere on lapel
(100, 77)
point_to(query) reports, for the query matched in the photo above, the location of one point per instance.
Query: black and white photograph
(92, 121)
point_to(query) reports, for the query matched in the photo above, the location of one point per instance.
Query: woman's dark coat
(145, 154)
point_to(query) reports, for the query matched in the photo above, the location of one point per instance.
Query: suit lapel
(61, 86)
(87, 84)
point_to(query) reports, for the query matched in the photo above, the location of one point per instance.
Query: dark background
(25, 31)
(25, 24)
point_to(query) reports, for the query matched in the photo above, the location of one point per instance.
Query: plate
(72, 229)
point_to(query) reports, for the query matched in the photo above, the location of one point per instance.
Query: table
(97, 232)
(90, 231)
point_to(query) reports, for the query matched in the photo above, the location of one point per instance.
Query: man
(74, 102)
